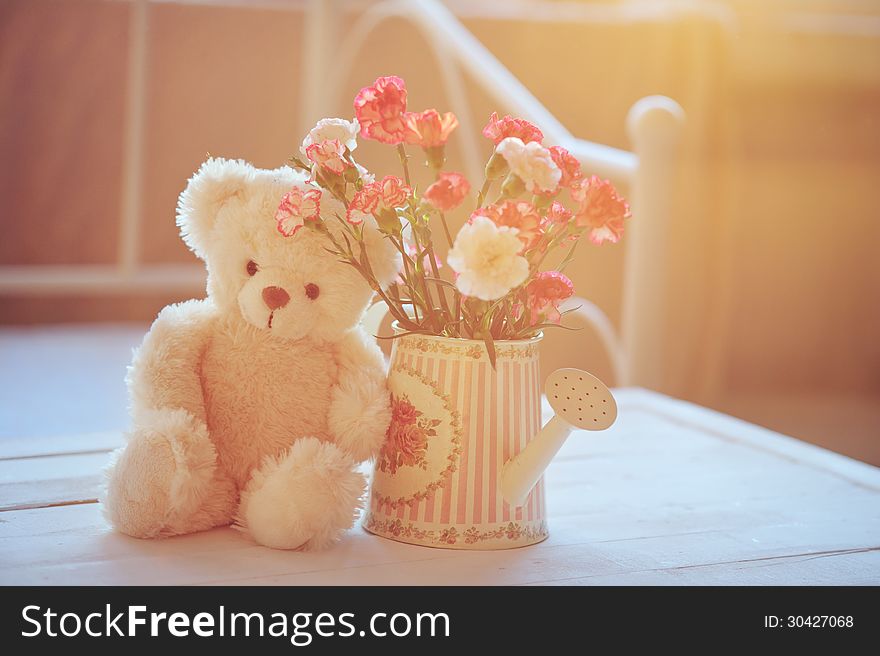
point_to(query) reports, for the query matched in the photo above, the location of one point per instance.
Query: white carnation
(327, 129)
(487, 260)
(531, 162)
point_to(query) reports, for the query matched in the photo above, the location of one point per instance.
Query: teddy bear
(254, 405)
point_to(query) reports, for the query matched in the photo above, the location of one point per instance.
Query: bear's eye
(252, 268)
(312, 291)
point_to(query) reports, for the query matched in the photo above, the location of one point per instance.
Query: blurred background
(773, 277)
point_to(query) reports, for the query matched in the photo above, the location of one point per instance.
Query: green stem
(404, 161)
(470, 316)
(395, 295)
(367, 272)
(440, 291)
(446, 229)
(408, 277)
(421, 297)
(508, 325)
(466, 330)
(430, 314)
(548, 242)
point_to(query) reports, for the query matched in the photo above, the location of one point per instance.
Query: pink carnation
(499, 129)
(375, 197)
(519, 214)
(568, 164)
(600, 209)
(429, 129)
(545, 292)
(297, 207)
(447, 193)
(558, 213)
(381, 109)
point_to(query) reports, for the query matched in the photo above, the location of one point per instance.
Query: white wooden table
(672, 494)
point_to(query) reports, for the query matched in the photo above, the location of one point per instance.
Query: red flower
(403, 411)
(410, 442)
(380, 110)
(449, 535)
(429, 129)
(519, 214)
(447, 192)
(558, 213)
(406, 442)
(499, 129)
(546, 292)
(376, 197)
(600, 209)
(570, 167)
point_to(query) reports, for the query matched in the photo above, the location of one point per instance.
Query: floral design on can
(406, 443)
(423, 441)
(508, 532)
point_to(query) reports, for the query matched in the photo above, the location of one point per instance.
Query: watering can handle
(580, 401)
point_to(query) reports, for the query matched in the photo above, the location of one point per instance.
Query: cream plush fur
(241, 413)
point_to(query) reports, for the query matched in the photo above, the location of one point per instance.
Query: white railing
(653, 125)
(129, 274)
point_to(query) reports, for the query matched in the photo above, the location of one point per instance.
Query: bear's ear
(216, 181)
(385, 259)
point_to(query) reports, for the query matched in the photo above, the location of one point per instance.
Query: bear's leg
(304, 499)
(165, 481)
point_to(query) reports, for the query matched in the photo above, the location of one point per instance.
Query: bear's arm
(360, 410)
(165, 372)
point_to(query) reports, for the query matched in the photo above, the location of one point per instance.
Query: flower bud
(513, 186)
(496, 167)
(436, 156)
(331, 181)
(351, 174)
(317, 226)
(389, 222)
(541, 201)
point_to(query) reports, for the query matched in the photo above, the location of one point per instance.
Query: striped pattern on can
(500, 412)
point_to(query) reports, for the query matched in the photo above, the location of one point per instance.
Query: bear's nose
(275, 297)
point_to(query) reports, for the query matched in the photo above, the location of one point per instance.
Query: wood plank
(669, 495)
(637, 423)
(94, 555)
(12, 448)
(559, 559)
(671, 464)
(730, 428)
(836, 568)
(658, 455)
(753, 505)
(50, 480)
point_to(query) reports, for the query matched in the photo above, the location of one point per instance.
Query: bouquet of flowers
(500, 288)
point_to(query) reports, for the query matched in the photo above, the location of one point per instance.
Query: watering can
(462, 466)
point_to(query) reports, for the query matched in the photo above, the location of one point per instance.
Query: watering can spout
(580, 401)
